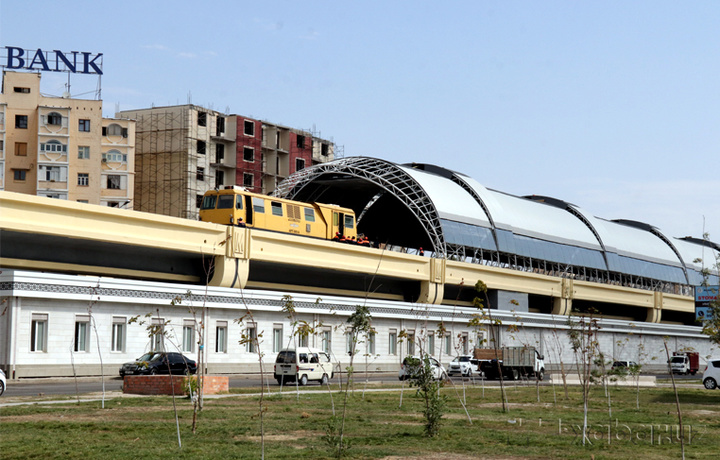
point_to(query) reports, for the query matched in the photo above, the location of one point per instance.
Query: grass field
(376, 426)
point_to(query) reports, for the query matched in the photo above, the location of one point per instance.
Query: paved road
(69, 387)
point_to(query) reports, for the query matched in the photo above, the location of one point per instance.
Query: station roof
(421, 205)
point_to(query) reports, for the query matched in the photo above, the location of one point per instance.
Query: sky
(613, 106)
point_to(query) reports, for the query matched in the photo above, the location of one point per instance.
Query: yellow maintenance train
(234, 205)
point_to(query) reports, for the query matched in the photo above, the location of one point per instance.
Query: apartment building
(268, 153)
(183, 151)
(62, 147)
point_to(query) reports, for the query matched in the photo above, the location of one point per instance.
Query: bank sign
(704, 296)
(53, 61)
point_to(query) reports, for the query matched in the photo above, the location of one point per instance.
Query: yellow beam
(234, 248)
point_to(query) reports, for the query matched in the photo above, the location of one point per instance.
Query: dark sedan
(159, 363)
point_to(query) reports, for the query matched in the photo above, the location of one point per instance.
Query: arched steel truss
(389, 177)
(392, 179)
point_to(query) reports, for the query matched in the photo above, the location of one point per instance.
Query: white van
(304, 364)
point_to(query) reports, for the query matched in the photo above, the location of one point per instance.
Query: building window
(114, 130)
(248, 180)
(118, 334)
(19, 89)
(392, 342)
(114, 156)
(349, 342)
(249, 128)
(83, 179)
(52, 173)
(38, 332)
(53, 146)
(84, 152)
(327, 340)
(431, 344)
(20, 174)
(219, 153)
(188, 335)
(201, 147)
(324, 150)
(248, 154)
(21, 149)
(202, 119)
(299, 164)
(302, 340)
(82, 332)
(21, 121)
(220, 126)
(277, 338)
(251, 339)
(84, 125)
(464, 339)
(54, 119)
(219, 179)
(114, 182)
(448, 344)
(2, 145)
(157, 334)
(411, 343)
(300, 141)
(371, 343)
(199, 201)
(200, 174)
(221, 337)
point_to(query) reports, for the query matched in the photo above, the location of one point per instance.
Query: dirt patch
(293, 436)
(446, 456)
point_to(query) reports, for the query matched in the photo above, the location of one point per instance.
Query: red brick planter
(161, 384)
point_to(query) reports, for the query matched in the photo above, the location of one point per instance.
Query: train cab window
(309, 215)
(209, 201)
(259, 205)
(238, 202)
(276, 208)
(225, 201)
(349, 221)
(336, 221)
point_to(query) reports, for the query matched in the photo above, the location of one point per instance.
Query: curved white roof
(450, 200)
(534, 219)
(633, 242)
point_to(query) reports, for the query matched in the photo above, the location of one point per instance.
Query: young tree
(359, 324)
(253, 340)
(583, 340)
(480, 303)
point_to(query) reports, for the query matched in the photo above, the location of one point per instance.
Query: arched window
(53, 146)
(114, 130)
(54, 119)
(114, 156)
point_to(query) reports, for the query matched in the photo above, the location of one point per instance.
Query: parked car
(624, 365)
(463, 365)
(411, 364)
(3, 382)
(711, 374)
(157, 363)
(303, 364)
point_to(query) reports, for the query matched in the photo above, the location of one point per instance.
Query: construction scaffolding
(162, 162)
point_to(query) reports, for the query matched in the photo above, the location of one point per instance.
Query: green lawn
(376, 426)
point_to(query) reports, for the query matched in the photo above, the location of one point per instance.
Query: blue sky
(612, 106)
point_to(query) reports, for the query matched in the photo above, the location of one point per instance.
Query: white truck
(513, 362)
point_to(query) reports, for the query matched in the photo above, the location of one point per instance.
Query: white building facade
(64, 325)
